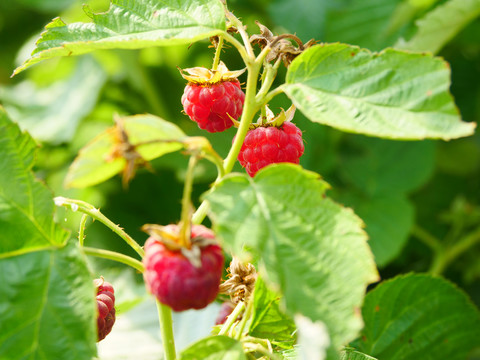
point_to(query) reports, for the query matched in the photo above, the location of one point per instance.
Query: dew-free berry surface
(210, 104)
(175, 281)
(270, 145)
(106, 308)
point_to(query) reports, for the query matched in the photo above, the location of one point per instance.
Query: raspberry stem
(115, 256)
(218, 51)
(166, 330)
(232, 318)
(95, 213)
(186, 220)
(81, 230)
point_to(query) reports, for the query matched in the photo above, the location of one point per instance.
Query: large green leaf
(47, 305)
(131, 25)
(26, 206)
(388, 221)
(392, 94)
(52, 113)
(95, 163)
(305, 241)
(380, 167)
(440, 25)
(419, 317)
(352, 354)
(268, 321)
(214, 348)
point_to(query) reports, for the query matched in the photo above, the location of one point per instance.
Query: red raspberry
(174, 280)
(106, 307)
(270, 145)
(210, 105)
(225, 310)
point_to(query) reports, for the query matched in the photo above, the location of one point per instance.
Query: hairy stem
(241, 30)
(166, 330)
(218, 51)
(115, 256)
(95, 213)
(81, 229)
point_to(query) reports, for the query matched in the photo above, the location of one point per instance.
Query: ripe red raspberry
(269, 145)
(106, 307)
(210, 105)
(174, 280)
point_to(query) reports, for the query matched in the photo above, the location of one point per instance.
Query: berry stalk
(187, 204)
(81, 229)
(218, 51)
(115, 256)
(166, 330)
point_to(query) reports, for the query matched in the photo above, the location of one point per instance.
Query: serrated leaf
(52, 113)
(46, 294)
(380, 167)
(352, 354)
(26, 206)
(392, 94)
(418, 317)
(268, 321)
(440, 25)
(131, 25)
(94, 163)
(304, 240)
(214, 348)
(388, 220)
(47, 306)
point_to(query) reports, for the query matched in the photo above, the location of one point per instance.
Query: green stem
(166, 330)
(446, 255)
(271, 94)
(115, 256)
(241, 30)
(246, 316)
(427, 238)
(218, 51)
(232, 318)
(95, 213)
(81, 230)
(187, 203)
(240, 48)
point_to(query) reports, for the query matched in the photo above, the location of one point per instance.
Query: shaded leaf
(352, 354)
(53, 113)
(304, 240)
(131, 25)
(214, 348)
(440, 25)
(47, 302)
(392, 94)
(418, 317)
(96, 162)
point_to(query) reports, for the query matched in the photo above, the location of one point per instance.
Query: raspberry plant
(301, 263)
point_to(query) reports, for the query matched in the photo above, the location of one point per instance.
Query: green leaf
(52, 113)
(380, 167)
(131, 25)
(388, 221)
(214, 348)
(352, 354)
(47, 305)
(305, 241)
(95, 164)
(440, 25)
(392, 94)
(419, 317)
(26, 206)
(268, 321)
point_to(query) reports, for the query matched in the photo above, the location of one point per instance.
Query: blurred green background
(406, 192)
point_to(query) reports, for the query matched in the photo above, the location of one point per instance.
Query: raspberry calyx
(182, 278)
(106, 307)
(213, 97)
(270, 141)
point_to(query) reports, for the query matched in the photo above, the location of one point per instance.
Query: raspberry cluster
(106, 307)
(174, 279)
(212, 105)
(267, 145)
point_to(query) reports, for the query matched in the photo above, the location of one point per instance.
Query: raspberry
(267, 145)
(225, 310)
(211, 105)
(174, 280)
(106, 307)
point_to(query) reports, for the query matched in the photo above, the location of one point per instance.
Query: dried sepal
(241, 282)
(206, 77)
(274, 120)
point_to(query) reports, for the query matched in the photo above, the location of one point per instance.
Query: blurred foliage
(433, 186)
